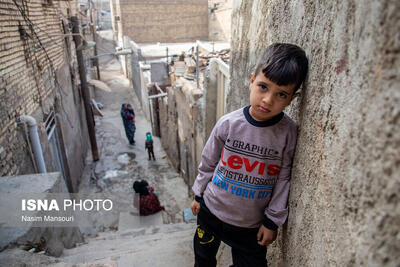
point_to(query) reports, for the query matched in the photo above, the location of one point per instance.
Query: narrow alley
(121, 164)
(125, 238)
(128, 238)
(290, 108)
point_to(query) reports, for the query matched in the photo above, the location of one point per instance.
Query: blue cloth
(128, 122)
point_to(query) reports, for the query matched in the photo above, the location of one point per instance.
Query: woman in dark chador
(128, 118)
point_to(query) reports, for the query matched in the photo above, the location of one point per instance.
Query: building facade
(160, 20)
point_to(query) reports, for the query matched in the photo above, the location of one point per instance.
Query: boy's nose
(267, 98)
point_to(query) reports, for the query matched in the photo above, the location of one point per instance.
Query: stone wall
(344, 200)
(162, 20)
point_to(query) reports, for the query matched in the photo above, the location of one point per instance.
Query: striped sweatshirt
(244, 174)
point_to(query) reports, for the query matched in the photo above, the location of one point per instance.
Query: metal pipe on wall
(35, 141)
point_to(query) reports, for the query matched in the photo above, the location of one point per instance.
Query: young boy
(149, 146)
(242, 187)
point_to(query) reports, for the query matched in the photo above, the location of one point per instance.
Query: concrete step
(154, 246)
(164, 245)
(129, 220)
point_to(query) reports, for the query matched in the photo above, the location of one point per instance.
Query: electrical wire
(52, 69)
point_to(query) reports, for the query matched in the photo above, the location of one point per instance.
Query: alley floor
(121, 164)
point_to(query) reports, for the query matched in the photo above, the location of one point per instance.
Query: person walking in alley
(149, 145)
(128, 118)
(241, 190)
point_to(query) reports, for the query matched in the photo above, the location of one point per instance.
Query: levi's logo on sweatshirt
(238, 162)
(243, 173)
(251, 157)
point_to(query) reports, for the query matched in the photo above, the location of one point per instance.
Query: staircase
(156, 245)
(141, 241)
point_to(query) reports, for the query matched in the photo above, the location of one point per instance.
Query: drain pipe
(34, 137)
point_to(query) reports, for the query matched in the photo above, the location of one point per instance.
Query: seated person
(149, 203)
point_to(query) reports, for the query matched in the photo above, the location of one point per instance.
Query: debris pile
(185, 64)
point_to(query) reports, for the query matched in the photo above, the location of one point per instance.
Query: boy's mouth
(262, 109)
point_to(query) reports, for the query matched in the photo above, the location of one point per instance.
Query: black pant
(246, 252)
(151, 153)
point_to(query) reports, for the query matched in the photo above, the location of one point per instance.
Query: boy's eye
(282, 95)
(262, 87)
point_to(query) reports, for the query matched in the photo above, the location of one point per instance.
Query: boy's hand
(195, 206)
(266, 236)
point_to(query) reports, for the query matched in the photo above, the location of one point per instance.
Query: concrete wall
(103, 14)
(72, 128)
(35, 78)
(115, 10)
(113, 13)
(182, 127)
(210, 95)
(215, 87)
(169, 127)
(219, 20)
(344, 200)
(138, 74)
(163, 20)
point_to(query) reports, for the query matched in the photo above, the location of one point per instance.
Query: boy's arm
(277, 210)
(210, 157)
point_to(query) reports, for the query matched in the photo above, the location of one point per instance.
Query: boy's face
(267, 99)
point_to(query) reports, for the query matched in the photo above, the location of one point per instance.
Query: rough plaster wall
(210, 97)
(185, 134)
(113, 10)
(73, 127)
(344, 201)
(169, 126)
(182, 128)
(198, 139)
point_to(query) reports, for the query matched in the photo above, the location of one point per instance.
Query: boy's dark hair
(284, 64)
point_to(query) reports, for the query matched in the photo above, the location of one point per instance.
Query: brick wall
(24, 67)
(33, 52)
(164, 20)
